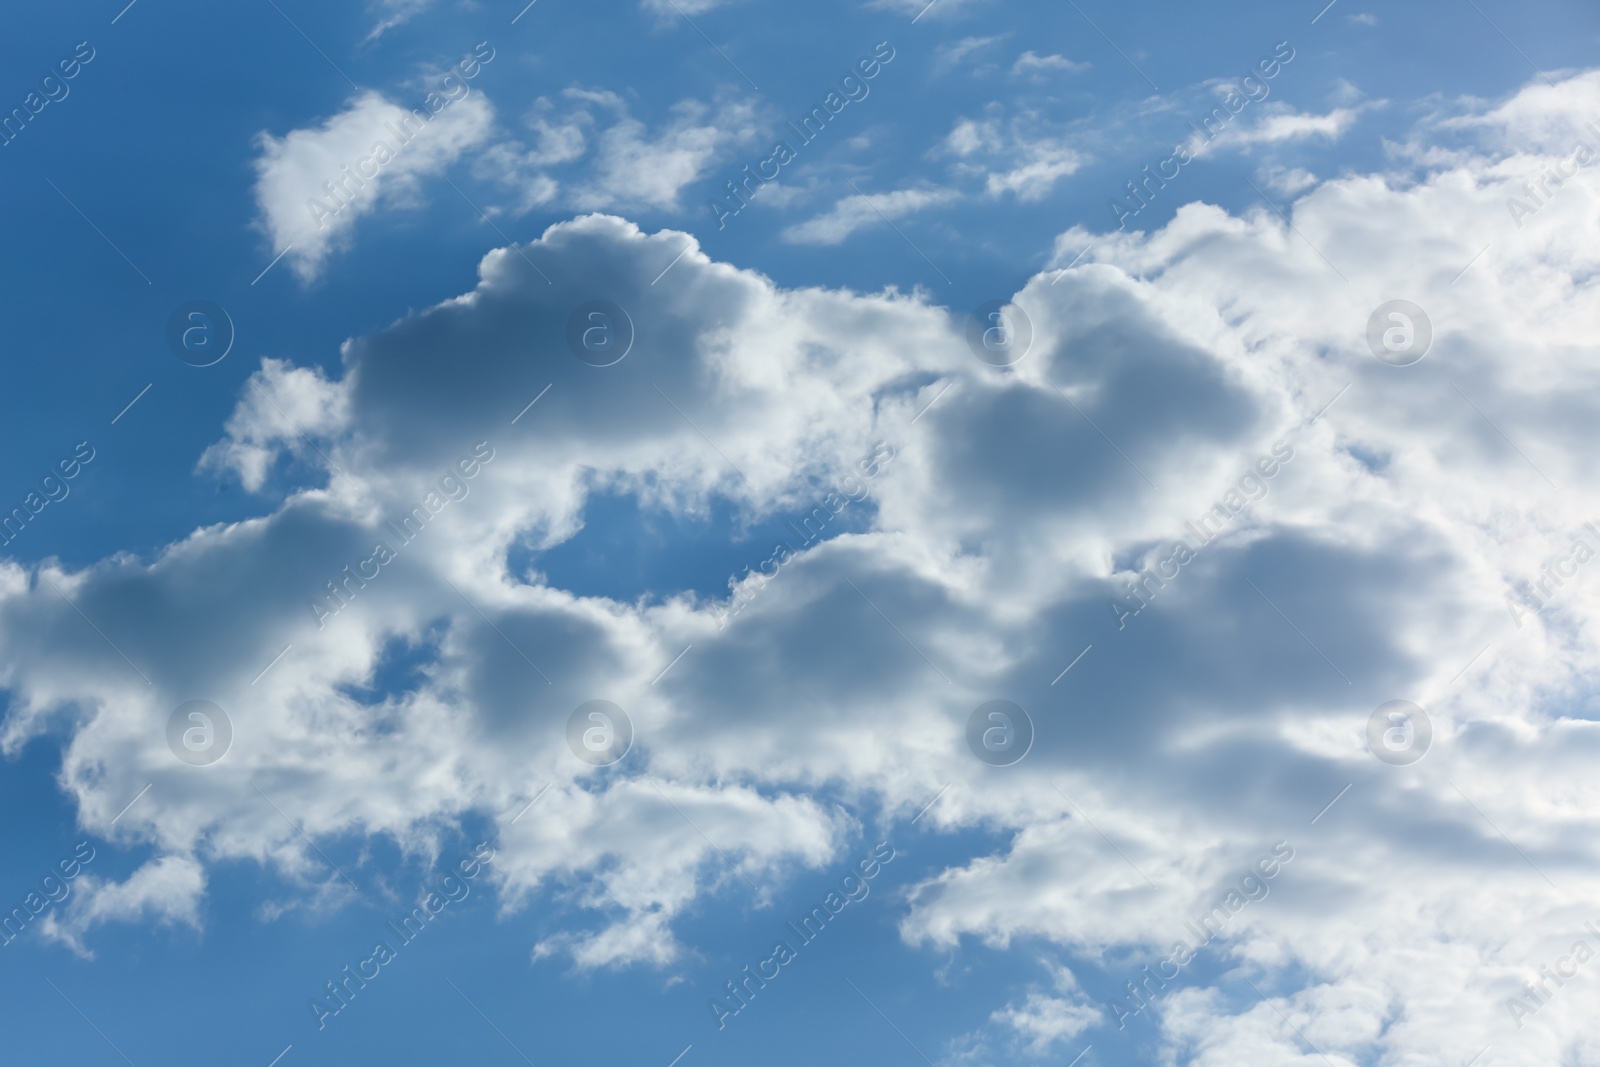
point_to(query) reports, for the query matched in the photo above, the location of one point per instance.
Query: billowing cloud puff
(1217, 486)
(313, 184)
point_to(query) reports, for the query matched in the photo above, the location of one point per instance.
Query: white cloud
(1045, 165)
(285, 402)
(1189, 741)
(1289, 181)
(924, 9)
(631, 166)
(1017, 156)
(313, 184)
(635, 168)
(1031, 64)
(858, 212)
(672, 8)
(1281, 122)
(1045, 1020)
(971, 135)
(951, 55)
(392, 13)
(167, 890)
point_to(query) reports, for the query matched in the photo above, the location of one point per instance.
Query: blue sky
(799, 531)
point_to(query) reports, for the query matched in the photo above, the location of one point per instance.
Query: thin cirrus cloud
(1278, 122)
(1021, 507)
(864, 211)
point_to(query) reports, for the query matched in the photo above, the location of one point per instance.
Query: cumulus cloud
(313, 184)
(1413, 540)
(285, 404)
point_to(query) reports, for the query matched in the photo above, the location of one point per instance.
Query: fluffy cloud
(1037, 1026)
(632, 166)
(313, 184)
(1410, 512)
(285, 405)
(1019, 155)
(165, 891)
